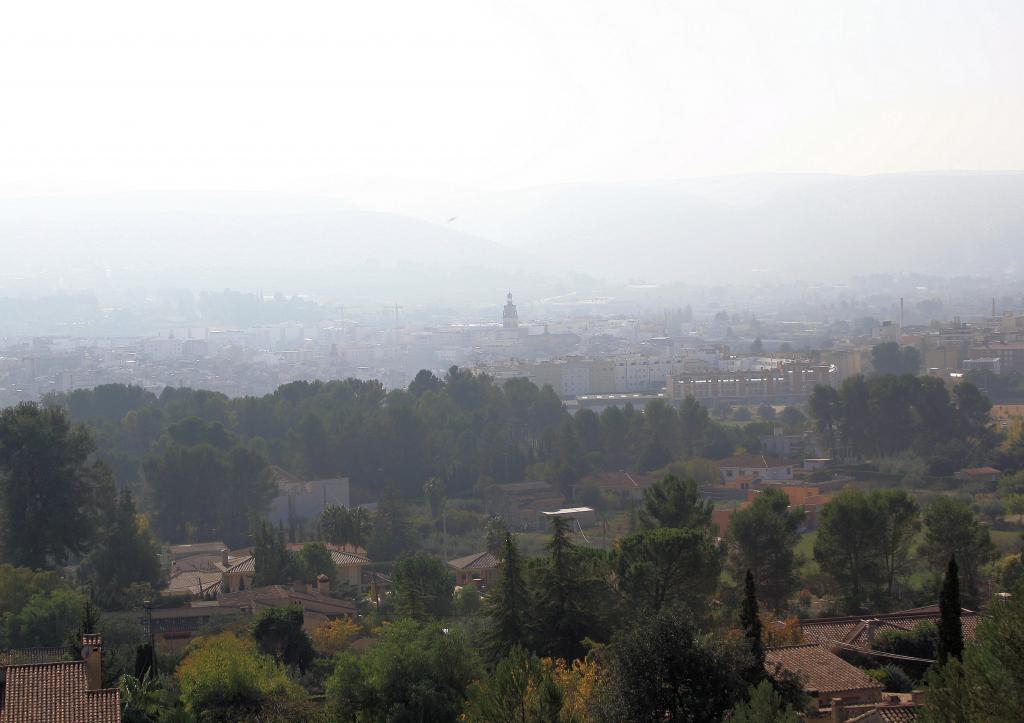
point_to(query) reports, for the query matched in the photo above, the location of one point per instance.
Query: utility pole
(148, 607)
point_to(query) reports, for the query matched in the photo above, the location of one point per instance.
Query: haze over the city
(237, 144)
(471, 361)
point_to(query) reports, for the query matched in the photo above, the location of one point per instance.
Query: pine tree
(750, 619)
(566, 601)
(508, 603)
(951, 634)
(125, 553)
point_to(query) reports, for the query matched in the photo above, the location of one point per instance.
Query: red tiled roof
(477, 561)
(819, 669)
(205, 561)
(855, 630)
(103, 706)
(56, 693)
(887, 713)
(28, 656)
(245, 565)
(340, 558)
(190, 619)
(979, 471)
(196, 582)
(273, 596)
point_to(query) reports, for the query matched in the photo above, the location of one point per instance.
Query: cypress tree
(751, 622)
(271, 559)
(951, 634)
(507, 603)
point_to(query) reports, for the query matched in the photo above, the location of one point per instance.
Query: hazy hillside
(749, 227)
(247, 240)
(541, 241)
(241, 228)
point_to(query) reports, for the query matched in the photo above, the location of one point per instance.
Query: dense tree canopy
(674, 502)
(415, 673)
(952, 529)
(988, 686)
(457, 429)
(224, 677)
(886, 414)
(661, 669)
(278, 632)
(667, 567)
(50, 492)
(762, 537)
(125, 553)
(890, 358)
(423, 587)
(847, 547)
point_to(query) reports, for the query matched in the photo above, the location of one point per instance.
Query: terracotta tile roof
(29, 656)
(190, 619)
(56, 693)
(883, 713)
(203, 562)
(245, 565)
(196, 548)
(819, 669)
(103, 706)
(979, 471)
(273, 596)
(340, 558)
(196, 582)
(857, 630)
(477, 561)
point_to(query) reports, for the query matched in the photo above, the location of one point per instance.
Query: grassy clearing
(1008, 541)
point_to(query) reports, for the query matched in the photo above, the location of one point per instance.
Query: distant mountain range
(250, 240)
(738, 229)
(746, 228)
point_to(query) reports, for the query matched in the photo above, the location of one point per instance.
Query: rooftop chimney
(92, 652)
(323, 584)
(871, 626)
(837, 711)
(224, 556)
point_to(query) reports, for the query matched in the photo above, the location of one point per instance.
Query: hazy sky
(103, 96)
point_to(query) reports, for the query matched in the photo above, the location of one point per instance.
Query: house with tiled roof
(762, 466)
(175, 627)
(979, 474)
(28, 656)
(194, 583)
(858, 632)
(60, 692)
(314, 601)
(480, 568)
(897, 710)
(348, 560)
(825, 676)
